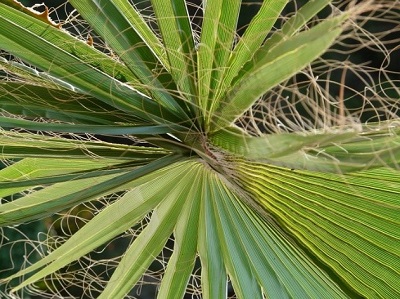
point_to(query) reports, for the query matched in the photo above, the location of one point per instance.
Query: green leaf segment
(311, 214)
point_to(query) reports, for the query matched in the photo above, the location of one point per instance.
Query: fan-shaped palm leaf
(294, 213)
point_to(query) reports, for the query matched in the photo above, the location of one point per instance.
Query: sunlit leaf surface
(173, 149)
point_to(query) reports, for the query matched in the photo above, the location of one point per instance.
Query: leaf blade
(63, 195)
(213, 275)
(113, 220)
(182, 261)
(216, 41)
(149, 243)
(282, 62)
(35, 101)
(130, 47)
(252, 39)
(22, 145)
(176, 31)
(14, 123)
(31, 36)
(358, 223)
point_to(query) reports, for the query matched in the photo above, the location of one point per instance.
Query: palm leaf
(252, 39)
(26, 100)
(128, 210)
(283, 60)
(213, 273)
(359, 223)
(138, 257)
(67, 194)
(121, 36)
(68, 67)
(8, 122)
(302, 214)
(177, 37)
(321, 151)
(16, 144)
(216, 40)
(34, 172)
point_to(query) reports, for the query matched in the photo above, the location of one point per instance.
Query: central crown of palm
(270, 212)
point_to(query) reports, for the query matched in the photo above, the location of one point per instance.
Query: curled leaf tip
(43, 16)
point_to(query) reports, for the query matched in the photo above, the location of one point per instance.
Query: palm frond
(220, 155)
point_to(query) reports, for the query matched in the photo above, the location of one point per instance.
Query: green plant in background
(275, 187)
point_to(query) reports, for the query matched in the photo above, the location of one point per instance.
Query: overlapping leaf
(60, 196)
(271, 232)
(283, 61)
(338, 151)
(113, 220)
(40, 49)
(348, 222)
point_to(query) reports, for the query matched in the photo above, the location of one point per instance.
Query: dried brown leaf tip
(89, 40)
(42, 16)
